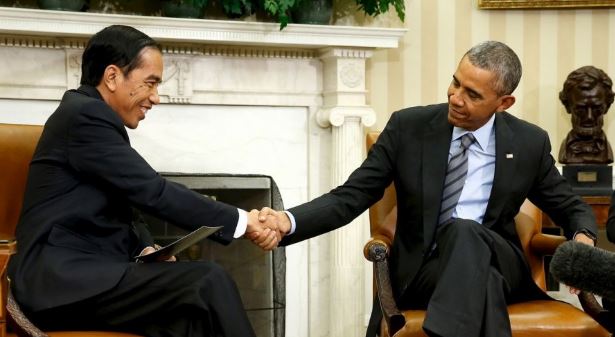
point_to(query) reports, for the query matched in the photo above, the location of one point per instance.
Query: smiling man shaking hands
(461, 171)
(75, 268)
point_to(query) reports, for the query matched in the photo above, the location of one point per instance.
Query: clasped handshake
(267, 227)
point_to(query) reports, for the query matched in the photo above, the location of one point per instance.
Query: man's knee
(211, 271)
(464, 228)
(206, 280)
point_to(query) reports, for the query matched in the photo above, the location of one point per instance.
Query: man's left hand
(150, 249)
(581, 237)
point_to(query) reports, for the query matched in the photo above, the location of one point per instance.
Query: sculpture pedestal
(587, 179)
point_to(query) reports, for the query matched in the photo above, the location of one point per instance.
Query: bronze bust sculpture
(587, 96)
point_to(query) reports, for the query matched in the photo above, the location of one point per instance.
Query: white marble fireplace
(238, 97)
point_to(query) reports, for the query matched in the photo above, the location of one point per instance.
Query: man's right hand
(271, 226)
(264, 234)
(280, 217)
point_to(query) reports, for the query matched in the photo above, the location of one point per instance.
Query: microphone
(585, 267)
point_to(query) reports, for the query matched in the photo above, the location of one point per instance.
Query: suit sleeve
(98, 150)
(552, 194)
(364, 187)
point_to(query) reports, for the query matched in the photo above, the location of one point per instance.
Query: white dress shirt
(472, 203)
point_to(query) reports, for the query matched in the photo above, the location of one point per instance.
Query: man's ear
(110, 77)
(507, 102)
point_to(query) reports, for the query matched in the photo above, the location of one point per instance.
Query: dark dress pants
(164, 299)
(467, 281)
(608, 315)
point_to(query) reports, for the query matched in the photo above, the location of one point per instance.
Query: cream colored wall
(550, 44)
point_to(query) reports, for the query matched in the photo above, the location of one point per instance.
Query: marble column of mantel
(331, 60)
(344, 109)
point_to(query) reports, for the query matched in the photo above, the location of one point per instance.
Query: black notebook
(179, 245)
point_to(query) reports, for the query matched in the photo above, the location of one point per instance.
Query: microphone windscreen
(585, 267)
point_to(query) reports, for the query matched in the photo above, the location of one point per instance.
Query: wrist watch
(587, 233)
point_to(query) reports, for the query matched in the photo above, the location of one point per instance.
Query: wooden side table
(599, 204)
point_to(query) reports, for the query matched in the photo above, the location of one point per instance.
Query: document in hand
(179, 245)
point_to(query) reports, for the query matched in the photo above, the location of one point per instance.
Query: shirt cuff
(293, 224)
(242, 224)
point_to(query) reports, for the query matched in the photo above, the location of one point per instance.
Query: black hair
(118, 45)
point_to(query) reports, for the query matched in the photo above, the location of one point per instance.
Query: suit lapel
(436, 144)
(506, 154)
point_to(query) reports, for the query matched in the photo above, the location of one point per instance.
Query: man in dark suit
(461, 172)
(75, 268)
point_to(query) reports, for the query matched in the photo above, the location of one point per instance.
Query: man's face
(137, 91)
(472, 99)
(587, 108)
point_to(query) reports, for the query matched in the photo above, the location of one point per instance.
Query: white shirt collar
(482, 134)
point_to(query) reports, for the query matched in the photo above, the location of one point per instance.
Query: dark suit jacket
(412, 151)
(75, 238)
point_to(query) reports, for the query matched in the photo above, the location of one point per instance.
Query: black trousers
(165, 299)
(466, 282)
(609, 314)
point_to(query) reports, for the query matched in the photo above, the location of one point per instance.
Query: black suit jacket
(412, 152)
(75, 238)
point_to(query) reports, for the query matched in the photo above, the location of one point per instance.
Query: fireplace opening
(259, 275)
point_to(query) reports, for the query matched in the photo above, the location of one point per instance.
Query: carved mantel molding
(21, 21)
(186, 44)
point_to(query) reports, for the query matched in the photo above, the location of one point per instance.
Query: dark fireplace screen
(260, 276)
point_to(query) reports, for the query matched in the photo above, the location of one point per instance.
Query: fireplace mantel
(225, 83)
(33, 22)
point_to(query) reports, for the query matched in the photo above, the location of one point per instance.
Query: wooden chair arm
(18, 320)
(592, 307)
(545, 244)
(4, 259)
(10, 313)
(376, 250)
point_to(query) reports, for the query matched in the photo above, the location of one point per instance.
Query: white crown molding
(47, 42)
(34, 22)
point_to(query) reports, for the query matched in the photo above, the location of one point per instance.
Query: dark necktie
(455, 178)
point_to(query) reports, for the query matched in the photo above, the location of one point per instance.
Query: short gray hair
(498, 58)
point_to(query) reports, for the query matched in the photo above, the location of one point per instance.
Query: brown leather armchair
(542, 318)
(17, 144)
